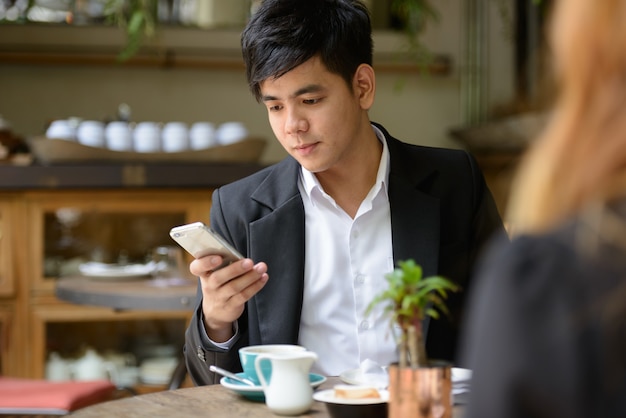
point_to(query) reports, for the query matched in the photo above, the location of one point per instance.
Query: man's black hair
(282, 34)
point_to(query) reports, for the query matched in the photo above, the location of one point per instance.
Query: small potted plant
(417, 388)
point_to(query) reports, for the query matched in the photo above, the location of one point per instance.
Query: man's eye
(274, 108)
(310, 101)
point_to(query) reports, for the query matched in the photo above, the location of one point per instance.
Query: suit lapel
(415, 215)
(279, 303)
(415, 220)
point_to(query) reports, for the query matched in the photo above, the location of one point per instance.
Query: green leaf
(410, 297)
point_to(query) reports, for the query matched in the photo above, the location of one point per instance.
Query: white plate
(255, 393)
(461, 375)
(328, 396)
(357, 377)
(115, 271)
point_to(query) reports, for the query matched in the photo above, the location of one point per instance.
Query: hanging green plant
(137, 18)
(412, 17)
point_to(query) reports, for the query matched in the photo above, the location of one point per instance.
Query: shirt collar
(309, 182)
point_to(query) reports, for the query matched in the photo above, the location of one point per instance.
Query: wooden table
(136, 294)
(215, 401)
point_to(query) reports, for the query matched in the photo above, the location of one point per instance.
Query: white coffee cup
(91, 133)
(175, 137)
(147, 137)
(61, 129)
(119, 136)
(202, 135)
(230, 132)
(57, 368)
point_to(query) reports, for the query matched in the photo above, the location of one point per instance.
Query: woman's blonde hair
(581, 155)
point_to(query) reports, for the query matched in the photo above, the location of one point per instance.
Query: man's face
(315, 116)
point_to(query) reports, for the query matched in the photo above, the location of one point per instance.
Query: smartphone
(199, 240)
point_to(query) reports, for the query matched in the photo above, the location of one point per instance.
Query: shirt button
(359, 279)
(364, 326)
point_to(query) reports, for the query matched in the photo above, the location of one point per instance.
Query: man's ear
(364, 85)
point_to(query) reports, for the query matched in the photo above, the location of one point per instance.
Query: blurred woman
(547, 333)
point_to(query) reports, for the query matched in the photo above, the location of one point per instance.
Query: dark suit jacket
(441, 214)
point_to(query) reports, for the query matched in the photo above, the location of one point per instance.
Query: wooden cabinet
(53, 219)
(67, 228)
(7, 224)
(11, 325)
(71, 227)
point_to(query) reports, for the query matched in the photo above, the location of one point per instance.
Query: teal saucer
(255, 393)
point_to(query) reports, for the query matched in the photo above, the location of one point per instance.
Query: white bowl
(91, 133)
(175, 137)
(353, 408)
(202, 135)
(119, 136)
(61, 129)
(230, 132)
(147, 137)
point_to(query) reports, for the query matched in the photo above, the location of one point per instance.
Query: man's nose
(295, 122)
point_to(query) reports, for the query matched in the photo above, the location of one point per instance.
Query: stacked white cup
(61, 129)
(119, 136)
(202, 135)
(230, 132)
(91, 133)
(175, 137)
(147, 137)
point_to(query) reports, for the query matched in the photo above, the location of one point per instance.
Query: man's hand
(225, 291)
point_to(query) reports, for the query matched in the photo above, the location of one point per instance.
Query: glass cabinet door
(70, 229)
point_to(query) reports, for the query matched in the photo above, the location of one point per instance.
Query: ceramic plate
(357, 377)
(461, 375)
(115, 271)
(255, 393)
(328, 396)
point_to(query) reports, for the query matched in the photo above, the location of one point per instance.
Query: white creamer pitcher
(288, 391)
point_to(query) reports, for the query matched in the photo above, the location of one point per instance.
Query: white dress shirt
(346, 260)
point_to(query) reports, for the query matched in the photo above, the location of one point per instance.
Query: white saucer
(357, 377)
(97, 270)
(255, 393)
(461, 375)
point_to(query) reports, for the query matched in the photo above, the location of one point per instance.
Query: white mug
(91, 133)
(230, 132)
(147, 137)
(57, 368)
(175, 137)
(202, 135)
(119, 136)
(61, 129)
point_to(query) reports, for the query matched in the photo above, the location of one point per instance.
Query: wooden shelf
(122, 175)
(173, 46)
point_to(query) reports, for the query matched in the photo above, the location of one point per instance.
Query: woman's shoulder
(572, 258)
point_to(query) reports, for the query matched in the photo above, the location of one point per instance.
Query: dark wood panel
(122, 175)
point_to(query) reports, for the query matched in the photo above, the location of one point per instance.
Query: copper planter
(424, 392)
